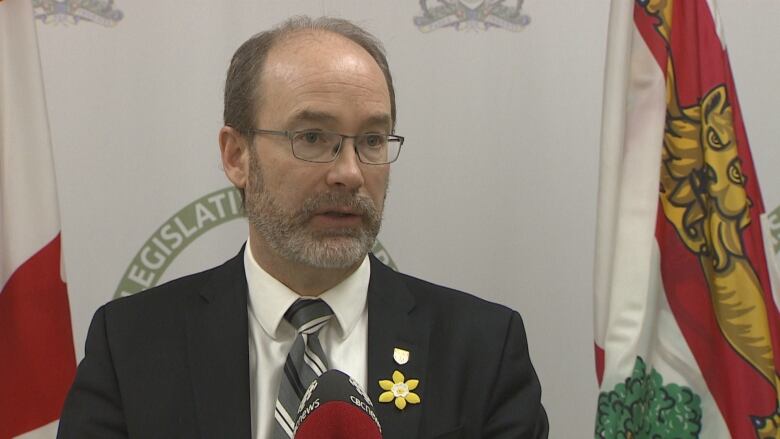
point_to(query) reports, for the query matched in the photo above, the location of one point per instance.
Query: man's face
(324, 215)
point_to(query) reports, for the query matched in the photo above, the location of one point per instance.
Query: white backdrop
(495, 190)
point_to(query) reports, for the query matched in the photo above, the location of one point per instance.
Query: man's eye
(374, 140)
(311, 136)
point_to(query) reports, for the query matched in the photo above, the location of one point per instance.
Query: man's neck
(301, 278)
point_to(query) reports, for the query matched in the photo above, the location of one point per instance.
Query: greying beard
(288, 235)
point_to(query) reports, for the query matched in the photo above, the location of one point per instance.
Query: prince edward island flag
(686, 322)
(37, 361)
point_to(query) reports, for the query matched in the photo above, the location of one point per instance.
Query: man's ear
(235, 150)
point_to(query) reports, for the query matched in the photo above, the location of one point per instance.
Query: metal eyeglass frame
(291, 134)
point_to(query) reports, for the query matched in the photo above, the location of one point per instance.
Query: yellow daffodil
(399, 390)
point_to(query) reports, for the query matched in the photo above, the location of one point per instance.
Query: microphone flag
(335, 406)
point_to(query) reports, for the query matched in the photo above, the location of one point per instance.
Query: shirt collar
(269, 299)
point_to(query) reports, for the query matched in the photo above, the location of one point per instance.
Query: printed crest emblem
(471, 15)
(73, 11)
(473, 4)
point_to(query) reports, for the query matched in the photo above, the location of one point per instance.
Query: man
(309, 117)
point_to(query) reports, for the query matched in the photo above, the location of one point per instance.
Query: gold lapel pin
(401, 356)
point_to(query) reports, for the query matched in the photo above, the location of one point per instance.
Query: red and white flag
(686, 325)
(37, 359)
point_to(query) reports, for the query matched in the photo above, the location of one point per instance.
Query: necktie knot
(307, 316)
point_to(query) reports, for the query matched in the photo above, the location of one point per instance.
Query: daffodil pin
(399, 390)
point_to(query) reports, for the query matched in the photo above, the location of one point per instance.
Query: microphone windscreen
(335, 407)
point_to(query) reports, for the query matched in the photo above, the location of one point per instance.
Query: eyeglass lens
(322, 146)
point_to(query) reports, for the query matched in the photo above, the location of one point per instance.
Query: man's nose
(346, 170)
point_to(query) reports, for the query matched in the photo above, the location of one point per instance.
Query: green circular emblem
(184, 227)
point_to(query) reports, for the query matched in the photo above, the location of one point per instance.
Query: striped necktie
(305, 362)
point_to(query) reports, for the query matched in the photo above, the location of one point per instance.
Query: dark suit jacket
(173, 362)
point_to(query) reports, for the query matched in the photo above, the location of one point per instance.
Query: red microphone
(335, 407)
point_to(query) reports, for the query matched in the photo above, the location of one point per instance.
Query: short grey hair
(245, 69)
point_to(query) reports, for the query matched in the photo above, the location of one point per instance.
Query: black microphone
(335, 407)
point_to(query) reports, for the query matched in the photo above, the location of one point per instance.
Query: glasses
(323, 146)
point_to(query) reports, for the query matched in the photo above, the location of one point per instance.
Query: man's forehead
(312, 51)
(306, 38)
(310, 66)
(323, 117)
(303, 43)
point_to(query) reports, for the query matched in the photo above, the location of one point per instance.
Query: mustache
(357, 204)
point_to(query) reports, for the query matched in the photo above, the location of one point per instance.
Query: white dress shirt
(344, 338)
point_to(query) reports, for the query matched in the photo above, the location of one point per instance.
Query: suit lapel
(391, 325)
(217, 339)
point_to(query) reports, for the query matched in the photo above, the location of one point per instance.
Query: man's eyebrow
(383, 120)
(312, 116)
